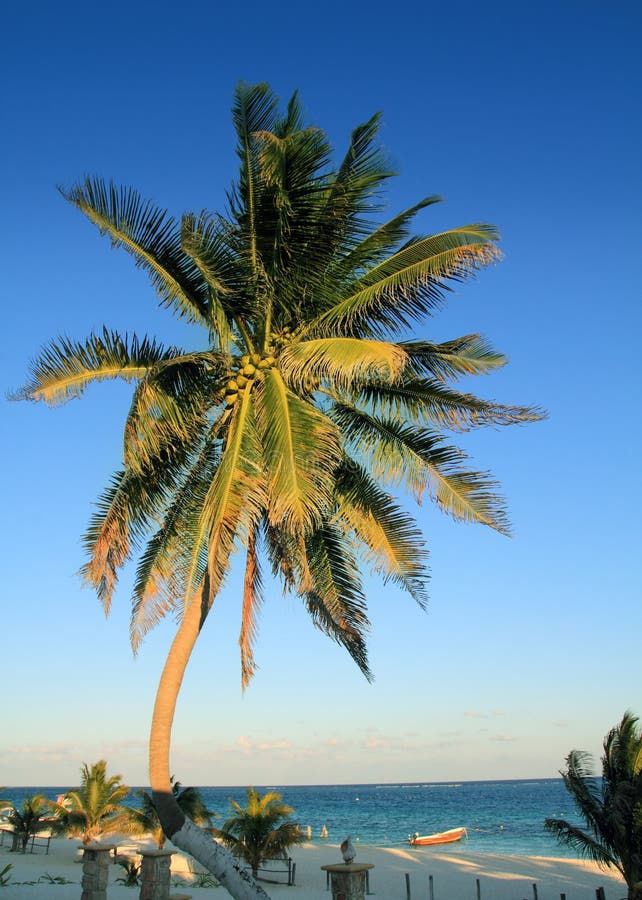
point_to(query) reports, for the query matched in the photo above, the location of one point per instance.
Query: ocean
(500, 816)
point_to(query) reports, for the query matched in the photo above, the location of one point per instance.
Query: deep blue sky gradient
(524, 115)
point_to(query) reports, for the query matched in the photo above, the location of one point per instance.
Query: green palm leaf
(343, 362)
(349, 198)
(206, 240)
(336, 601)
(411, 283)
(430, 402)
(169, 410)
(610, 806)
(378, 244)
(151, 237)
(467, 355)
(252, 599)
(254, 110)
(65, 368)
(234, 502)
(418, 459)
(301, 449)
(392, 544)
(160, 577)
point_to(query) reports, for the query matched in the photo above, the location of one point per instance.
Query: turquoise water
(501, 816)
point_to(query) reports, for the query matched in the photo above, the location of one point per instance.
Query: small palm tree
(146, 821)
(261, 830)
(611, 806)
(95, 808)
(27, 820)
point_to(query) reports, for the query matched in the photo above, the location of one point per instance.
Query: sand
(454, 875)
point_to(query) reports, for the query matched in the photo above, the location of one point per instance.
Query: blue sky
(524, 115)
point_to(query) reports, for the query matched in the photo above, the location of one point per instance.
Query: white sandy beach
(454, 875)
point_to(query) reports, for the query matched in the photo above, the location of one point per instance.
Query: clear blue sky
(524, 115)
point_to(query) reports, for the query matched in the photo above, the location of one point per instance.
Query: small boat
(440, 837)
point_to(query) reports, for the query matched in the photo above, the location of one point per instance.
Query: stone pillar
(155, 872)
(348, 880)
(95, 871)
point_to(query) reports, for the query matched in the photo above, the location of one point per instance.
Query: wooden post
(599, 893)
(407, 886)
(534, 892)
(431, 890)
(562, 896)
(478, 888)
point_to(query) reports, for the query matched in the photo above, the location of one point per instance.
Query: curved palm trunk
(180, 830)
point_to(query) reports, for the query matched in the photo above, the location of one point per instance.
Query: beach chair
(39, 839)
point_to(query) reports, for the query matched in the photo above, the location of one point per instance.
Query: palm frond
(411, 283)
(584, 787)
(152, 237)
(235, 500)
(174, 561)
(359, 177)
(417, 458)
(107, 539)
(254, 110)
(205, 239)
(585, 844)
(289, 240)
(350, 196)
(348, 638)
(467, 355)
(301, 449)
(252, 598)
(428, 401)
(343, 362)
(336, 577)
(169, 409)
(379, 243)
(132, 503)
(65, 368)
(125, 510)
(336, 601)
(392, 542)
(282, 554)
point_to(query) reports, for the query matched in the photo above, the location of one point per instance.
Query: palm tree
(27, 819)
(95, 809)
(303, 409)
(611, 806)
(261, 830)
(146, 821)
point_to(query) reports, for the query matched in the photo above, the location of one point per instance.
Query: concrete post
(348, 880)
(95, 871)
(155, 873)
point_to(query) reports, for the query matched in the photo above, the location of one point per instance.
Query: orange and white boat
(439, 837)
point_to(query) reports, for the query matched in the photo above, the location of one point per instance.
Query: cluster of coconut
(248, 369)
(252, 368)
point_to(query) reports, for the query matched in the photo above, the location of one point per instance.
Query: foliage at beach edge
(611, 806)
